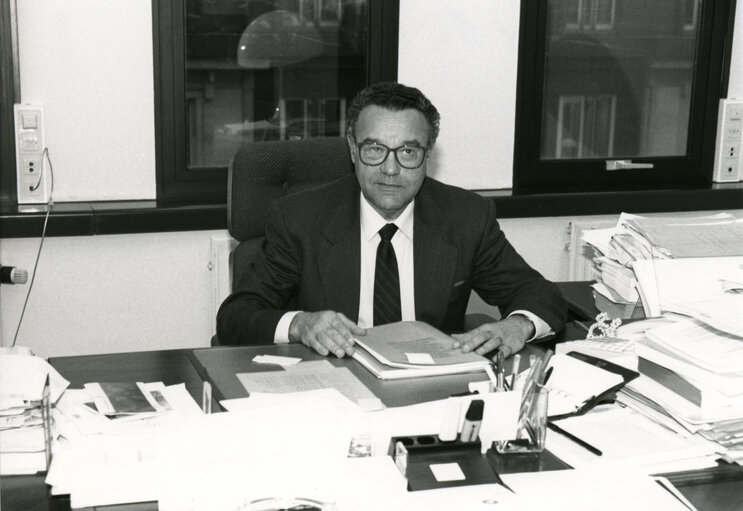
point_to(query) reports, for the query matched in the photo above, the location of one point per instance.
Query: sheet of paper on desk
(23, 376)
(607, 489)
(301, 377)
(260, 400)
(236, 457)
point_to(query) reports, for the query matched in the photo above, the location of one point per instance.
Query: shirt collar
(371, 221)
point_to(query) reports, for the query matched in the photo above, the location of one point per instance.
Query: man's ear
(351, 148)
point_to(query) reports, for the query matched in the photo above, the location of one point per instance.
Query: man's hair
(396, 97)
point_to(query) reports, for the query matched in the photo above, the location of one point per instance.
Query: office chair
(262, 172)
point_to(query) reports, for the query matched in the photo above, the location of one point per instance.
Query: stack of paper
(627, 438)
(627, 254)
(109, 457)
(693, 374)
(701, 287)
(25, 401)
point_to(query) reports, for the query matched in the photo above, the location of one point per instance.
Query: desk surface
(713, 490)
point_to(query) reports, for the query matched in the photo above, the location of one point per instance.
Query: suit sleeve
(262, 295)
(502, 278)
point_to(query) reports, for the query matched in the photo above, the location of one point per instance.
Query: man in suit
(318, 277)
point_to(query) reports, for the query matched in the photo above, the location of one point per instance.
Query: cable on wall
(46, 156)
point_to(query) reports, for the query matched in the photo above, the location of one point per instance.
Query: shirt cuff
(281, 335)
(541, 328)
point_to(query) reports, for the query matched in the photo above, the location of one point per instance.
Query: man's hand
(511, 333)
(325, 332)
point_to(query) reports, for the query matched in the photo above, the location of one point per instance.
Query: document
(307, 376)
(698, 344)
(665, 285)
(693, 237)
(410, 349)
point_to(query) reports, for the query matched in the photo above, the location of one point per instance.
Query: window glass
(269, 70)
(618, 78)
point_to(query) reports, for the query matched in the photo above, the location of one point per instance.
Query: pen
(501, 371)
(472, 421)
(47, 422)
(515, 369)
(557, 429)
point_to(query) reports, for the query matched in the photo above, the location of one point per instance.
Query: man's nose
(390, 165)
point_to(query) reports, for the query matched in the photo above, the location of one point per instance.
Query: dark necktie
(386, 280)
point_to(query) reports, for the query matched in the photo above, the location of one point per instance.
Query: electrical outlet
(729, 170)
(727, 165)
(730, 150)
(31, 165)
(33, 182)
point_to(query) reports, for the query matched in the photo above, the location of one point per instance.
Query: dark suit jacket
(310, 261)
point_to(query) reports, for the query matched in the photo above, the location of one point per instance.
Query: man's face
(389, 187)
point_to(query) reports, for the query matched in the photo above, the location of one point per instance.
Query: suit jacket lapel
(339, 259)
(434, 259)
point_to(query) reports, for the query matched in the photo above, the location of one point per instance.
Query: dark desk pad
(221, 365)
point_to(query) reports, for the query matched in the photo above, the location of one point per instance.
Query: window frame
(534, 175)
(9, 95)
(175, 181)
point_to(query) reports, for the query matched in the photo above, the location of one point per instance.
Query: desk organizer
(414, 456)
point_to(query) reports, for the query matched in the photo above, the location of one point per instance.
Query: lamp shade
(278, 38)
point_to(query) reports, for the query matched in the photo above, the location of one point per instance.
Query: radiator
(219, 264)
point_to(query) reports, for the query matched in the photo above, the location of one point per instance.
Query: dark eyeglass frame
(389, 150)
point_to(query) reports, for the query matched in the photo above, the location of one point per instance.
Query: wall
(89, 63)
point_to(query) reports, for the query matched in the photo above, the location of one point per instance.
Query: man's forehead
(377, 122)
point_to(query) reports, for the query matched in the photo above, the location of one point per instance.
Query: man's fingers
(352, 327)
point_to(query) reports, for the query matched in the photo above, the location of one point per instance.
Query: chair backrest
(262, 172)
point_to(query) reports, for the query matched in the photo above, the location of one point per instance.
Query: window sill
(131, 217)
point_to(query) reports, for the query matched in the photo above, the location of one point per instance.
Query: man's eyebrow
(405, 143)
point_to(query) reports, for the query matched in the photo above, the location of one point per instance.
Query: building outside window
(231, 72)
(623, 80)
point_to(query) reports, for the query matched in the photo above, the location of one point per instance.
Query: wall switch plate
(33, 182)
(729, 141)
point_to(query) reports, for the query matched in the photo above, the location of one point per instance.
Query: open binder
(580, 382)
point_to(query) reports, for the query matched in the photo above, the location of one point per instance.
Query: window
(629, 80)
(588, 14)
(8, 96)
(231, 72)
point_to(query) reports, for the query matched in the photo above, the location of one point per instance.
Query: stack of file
(692, 374)
(29, 387)
(627, 258)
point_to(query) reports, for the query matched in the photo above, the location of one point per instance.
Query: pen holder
(531, 429)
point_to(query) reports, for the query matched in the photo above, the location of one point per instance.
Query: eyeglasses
(408, 156)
